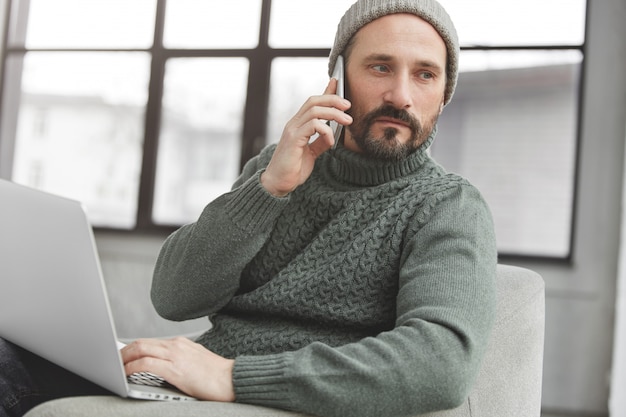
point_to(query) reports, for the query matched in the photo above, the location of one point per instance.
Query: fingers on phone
(331, 87)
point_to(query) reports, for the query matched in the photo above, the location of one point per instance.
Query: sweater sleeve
(199, 266)
(445, 311)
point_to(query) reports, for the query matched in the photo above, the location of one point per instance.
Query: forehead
(402, 32)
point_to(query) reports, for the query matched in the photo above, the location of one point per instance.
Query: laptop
(53, 299)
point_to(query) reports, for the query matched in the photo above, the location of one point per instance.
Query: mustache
(387, 110)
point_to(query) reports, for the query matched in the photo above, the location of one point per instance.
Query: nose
(398, 92)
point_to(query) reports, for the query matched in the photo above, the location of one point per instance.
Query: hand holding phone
(298, 148)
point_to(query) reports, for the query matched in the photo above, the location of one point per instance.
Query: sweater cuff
(252, 207)
(261, 380)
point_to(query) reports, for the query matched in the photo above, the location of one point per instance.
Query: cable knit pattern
(368, 273)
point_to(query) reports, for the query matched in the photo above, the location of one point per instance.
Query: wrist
(268, 185)
(229, 388)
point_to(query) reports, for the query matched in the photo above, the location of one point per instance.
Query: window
(512, 126)
(199, 147)
(146, 110)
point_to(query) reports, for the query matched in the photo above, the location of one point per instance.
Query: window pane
(472, 61)
(200, 139)
(512, 132)
(305, 24)
(530, 22)
(90, 24)
(484, 22)
(80, 129)
(293, 81)
(212, 24)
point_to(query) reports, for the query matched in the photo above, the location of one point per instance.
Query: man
(357, 281)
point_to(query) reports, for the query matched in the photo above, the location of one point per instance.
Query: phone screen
(338, 73)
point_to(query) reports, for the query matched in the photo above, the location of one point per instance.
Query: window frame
(255, 109)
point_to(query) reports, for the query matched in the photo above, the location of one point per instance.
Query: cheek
(427, 104)
(364, 98)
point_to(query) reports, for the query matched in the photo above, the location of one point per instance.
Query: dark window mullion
(257, 98)
(152, 124)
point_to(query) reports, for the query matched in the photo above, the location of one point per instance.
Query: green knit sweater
(368, 291)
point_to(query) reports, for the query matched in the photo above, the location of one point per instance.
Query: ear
(441, 108)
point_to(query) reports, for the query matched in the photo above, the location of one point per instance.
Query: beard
(388, 147)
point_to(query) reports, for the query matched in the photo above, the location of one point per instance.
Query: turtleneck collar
(357, 169)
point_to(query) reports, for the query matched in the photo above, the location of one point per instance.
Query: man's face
(396, 78)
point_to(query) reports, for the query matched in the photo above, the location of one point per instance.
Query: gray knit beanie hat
(364, 11)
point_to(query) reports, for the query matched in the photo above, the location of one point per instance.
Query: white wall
(617, 400)
(6, 152)
(3, 10)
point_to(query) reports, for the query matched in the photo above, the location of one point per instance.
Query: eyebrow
(388, 58)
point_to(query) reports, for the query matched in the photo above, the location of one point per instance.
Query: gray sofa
(509, 383)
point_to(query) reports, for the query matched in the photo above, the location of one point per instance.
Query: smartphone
(339, 74)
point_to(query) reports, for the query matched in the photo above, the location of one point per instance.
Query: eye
(380, 68)
(426, 75)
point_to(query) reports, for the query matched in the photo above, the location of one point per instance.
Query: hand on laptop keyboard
(148, 378)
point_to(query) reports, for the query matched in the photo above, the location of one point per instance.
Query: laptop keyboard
(147, 378)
